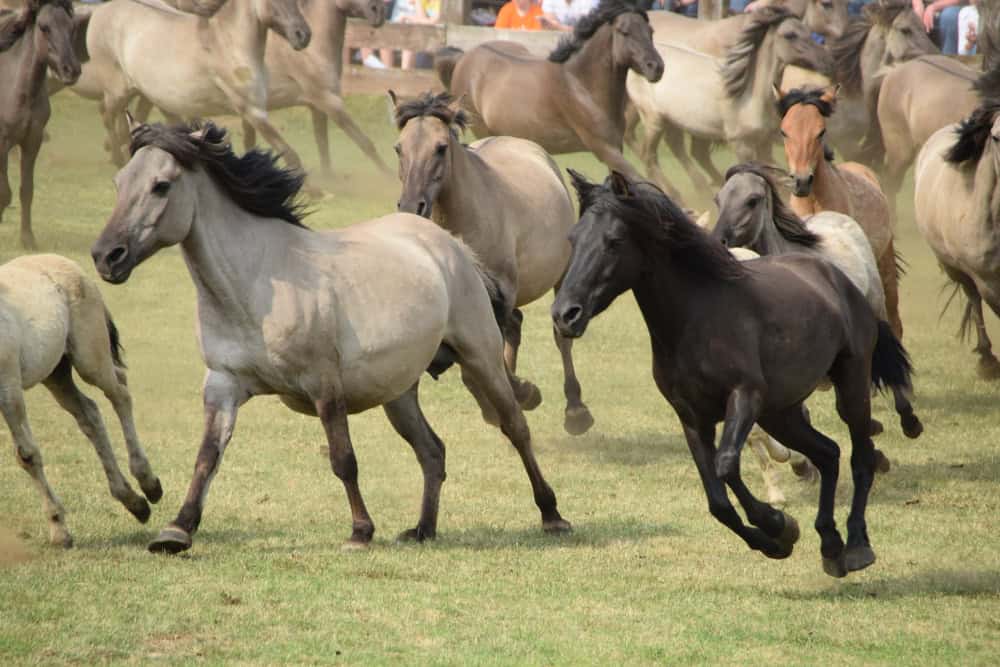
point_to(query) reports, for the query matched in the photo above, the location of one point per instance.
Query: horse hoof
(354, 545)
(578, 420)
(835, 567)
(858, 558)
(989, 368)
(557, 526)
(912, 428)
(805, 471)
(154, 492)
(882, 463)
(417, 534)
(789, 534)
(529, 396)
(171, 540)
(877, 427)
(140, 509)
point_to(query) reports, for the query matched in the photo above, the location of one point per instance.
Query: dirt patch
(12, 549)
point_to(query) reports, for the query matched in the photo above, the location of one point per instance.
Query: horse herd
(785, 295)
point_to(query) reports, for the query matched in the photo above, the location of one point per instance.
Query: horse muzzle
(569, 319)
(803, 185)
(114, 265)
(652, 70)
(421, 206)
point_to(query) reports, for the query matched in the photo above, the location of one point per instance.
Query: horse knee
(344, 464)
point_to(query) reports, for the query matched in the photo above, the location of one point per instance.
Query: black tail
(445, 60)
(891, 366)
(116, 343)
(501, 309)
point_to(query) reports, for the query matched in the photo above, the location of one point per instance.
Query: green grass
(647, 577)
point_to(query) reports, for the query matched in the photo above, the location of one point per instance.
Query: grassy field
(647, 577)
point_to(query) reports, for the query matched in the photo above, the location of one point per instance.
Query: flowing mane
(647, 210)
(253, 181)
(435, 106)
(972, 135)
(606, 12)
(846, 51)
(741, 59)
(813, 96)
(789, 225)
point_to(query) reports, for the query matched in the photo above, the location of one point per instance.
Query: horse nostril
(571, 314)
(725, 242)
(117, 254)
(421, 207)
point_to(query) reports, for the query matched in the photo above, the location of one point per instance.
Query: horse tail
(891, 367)
(501, 308)
(116, 343)
(445, 60)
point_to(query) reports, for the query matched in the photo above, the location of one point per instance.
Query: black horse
(739, 343)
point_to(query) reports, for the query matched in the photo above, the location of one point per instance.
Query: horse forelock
(741, 59)
(605, 12)
(789, 225)
(811, 96)
(434, 106)
(972, 135)
(253, 181)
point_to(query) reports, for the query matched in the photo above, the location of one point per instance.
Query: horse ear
(620, 185)
(778, 92)
(580, 184)
(393, 100)
(81, 21)
(830, 94)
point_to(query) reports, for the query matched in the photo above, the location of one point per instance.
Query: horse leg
(406, 417)
(333, 106)
(889, 273)
(646, 148)
(674, 137)
(989, 367)
(631, 126)
(6, 196)
(249, 136)
(701, 443)
(222, 397)
(322, 136)
(115, 102)
(60, 384)
(528, 395)
(791, 428)
(578, 419)
(143, 109)
(29, 154)
(757, 441)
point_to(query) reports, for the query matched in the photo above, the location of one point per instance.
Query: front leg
(223, 396)
(29, 154)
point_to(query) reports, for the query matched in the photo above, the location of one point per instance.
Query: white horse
(333, 323)
(53, 320)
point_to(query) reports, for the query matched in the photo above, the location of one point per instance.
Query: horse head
(803, 128)
(372, 11)
(745, 208)
(632, 46)
(826, 17)
(285, 18)
(901, 31)
(794, 45)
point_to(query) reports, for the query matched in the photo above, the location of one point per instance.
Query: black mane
(741, 58)
(606, 12)
(435, 106)
(813, 96)
(972, 134)
(650, 212)
(846, 51)
(253, 181)
(789, 225)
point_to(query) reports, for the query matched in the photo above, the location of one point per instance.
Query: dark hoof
(578, 420)
(529, 396)
(171, 540)
(912, 428)
(789, 534)
(989, 368)
(805, 471)
(557, 526)
(877, 427)
(417, 534)
(858, 558)
(155, 492)
(835, 567)
(882, 463)
(140, 509)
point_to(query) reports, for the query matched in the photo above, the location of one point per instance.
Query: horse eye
(161, 188)
(45, 29)
(822, 133)
(906, 31)
(398, 149)
(791, 37)
(441, 149)
(752, 202)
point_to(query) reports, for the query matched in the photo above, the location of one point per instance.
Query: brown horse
(575, 100)
(849, 188)
(42, 35)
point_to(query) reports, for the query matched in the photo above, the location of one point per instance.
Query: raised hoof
(557, 526)
(155, 492)
(805, 471)
(835, 567)
(140, 509)
(989, 368)
(858, 558)
(171, 540)
(877, 427)
(578, 420)
(912, 428)
(529, 396)
(789, 534)
(417, 534)
(882, 463)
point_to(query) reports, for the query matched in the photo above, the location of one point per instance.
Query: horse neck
(667, 297)
(771, 242)
(458, 201)
(28, 68)
(240, 31)
(329, 25)
(597, 72)
(829, 191)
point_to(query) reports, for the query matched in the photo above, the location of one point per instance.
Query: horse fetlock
(882, 463)
(912, 428)
(151, 488)
(528, 395)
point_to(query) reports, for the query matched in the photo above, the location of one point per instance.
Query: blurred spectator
(968, 29)
(520, 15)
(413, 12)
(564, 14)
(942, 14)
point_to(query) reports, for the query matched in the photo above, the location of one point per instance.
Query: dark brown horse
(575, 100)
(44, 34)
(740, 343)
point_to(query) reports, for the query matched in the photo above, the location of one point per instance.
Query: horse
(575, 100)
(506, 198)
(916, 99)
(961, 229)
(334, 323)
(723, 101)
(223, 72)
(753, 215)
(888, 33)
(43, 35)
(53, 320)
(849, 188)
(738, 342)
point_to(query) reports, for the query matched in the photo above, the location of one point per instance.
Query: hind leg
(674, 137)
(701, 151)
(889, 273)
(6, 195)
(757, 442)
(333, 105)
(528, 395)
(408, 419)
(27, 453)
(88, 418)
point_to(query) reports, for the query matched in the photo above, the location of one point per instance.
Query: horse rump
(445, 60)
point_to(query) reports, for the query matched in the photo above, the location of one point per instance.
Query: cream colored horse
(962, 228)
(505, 197)
(333, 323)
(53, 320)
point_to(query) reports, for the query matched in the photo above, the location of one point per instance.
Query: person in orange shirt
(520, 15)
